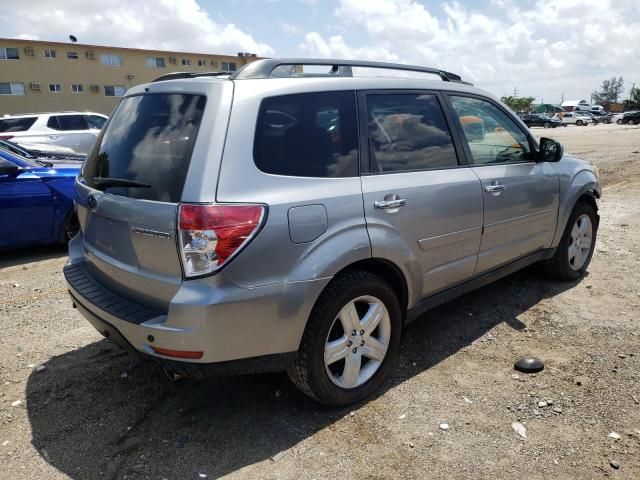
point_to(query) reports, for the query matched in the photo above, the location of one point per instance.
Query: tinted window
(308, 135)
(72, 122)
(95, 121)
(149, 139)
(493, 136)
(408, 132)
(16, 124)
(53, 123)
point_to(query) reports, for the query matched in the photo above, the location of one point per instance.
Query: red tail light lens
(6, 137)
(211, 234)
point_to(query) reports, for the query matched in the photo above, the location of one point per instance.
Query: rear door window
(148, 140)
(72, 122)
(95, 121)
(308, 135)
(16, 124)
(408, 132)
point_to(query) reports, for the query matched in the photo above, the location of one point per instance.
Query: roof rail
(177, 75)
(339, 68)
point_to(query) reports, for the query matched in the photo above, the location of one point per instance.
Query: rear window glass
(148, 140)
(308, 135)
(16, 124)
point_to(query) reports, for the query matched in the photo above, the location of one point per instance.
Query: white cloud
(555, 46)
(290, 29)
(163, 24)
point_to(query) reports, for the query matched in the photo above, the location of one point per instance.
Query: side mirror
(550, 150)
(8, 168)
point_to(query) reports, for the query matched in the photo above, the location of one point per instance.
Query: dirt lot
(95, 412)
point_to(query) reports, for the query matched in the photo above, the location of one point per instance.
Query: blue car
(36, 201)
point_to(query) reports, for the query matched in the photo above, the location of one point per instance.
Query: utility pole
(515, 92)
(562, 101)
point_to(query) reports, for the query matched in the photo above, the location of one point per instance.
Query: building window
(72, 55)
(202, 63)
(228, 66)
(77, 88)
(12, 88)
(49, 53)
(111, 59)
(9, 54)
(155, 62)
(114, 91)
(55, 88)
(186, 62)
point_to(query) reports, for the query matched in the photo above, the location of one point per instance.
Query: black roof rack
(177, 75)
(265, 68)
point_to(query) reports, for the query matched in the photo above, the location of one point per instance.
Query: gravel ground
(73, 406)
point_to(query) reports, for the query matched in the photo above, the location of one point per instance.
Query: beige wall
(66, 72)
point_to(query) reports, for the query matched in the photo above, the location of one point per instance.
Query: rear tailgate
(163, 141)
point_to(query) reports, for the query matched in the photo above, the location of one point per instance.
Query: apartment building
(39, 76)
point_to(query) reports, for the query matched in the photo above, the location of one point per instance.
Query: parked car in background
(631, 118)
(49, 152)
(36, 201)
(607, 118)
(595, 119)
(573, 118)
(307, 242)
(540, 120)
(74, 130)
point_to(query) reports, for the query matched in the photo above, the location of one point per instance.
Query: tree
(634, 99)
(518, 104)
(609, 92)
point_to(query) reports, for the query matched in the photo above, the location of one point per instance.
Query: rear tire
(619, 122)
(579, 123)
(573, 254)
(631, 122)
(70, 228)
(324, 368)
(547, 125)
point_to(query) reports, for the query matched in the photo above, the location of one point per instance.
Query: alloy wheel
(581, 239)
(357, 342)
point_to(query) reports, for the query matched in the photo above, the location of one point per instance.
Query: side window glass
(493, 136)
(308, 135)
(73, 122)
(408, 132)
(95, 121)
(53, 123)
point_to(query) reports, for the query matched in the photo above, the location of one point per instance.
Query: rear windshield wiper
(118, 182)
(44, 163)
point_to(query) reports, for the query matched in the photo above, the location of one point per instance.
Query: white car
(574, 118)
(74, 130)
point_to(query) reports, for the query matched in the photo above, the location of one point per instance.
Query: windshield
(148, 141)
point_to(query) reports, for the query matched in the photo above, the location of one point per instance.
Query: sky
(547, 49)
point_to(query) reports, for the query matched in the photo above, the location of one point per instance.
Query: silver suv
(285, 219)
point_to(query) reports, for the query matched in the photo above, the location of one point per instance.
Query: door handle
(494, 188)
(387, 204)
(53, 137)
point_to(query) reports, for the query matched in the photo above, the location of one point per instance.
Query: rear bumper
(261, 326)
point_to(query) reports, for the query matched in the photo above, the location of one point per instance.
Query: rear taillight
(210, 235)
(6, 137)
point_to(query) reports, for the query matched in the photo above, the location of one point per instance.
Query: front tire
(546, 125)
(351, 340)
(579, 123)
(575, 250)
(631, 122)
(619, 122)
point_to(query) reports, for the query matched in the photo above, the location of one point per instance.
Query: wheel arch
(583, 188)
(389, 272)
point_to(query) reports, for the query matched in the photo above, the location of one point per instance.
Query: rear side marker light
(167, 352)
(211, 234)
